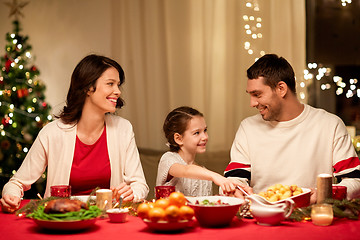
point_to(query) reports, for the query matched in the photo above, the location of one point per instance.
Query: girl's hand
(124, 191)
(9, 203)
(227, 185)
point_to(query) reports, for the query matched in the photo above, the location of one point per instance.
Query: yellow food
(279, 192)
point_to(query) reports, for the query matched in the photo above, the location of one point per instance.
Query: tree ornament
(15, 8)
(28, 137)
(8, 65)
(5, 121)
(5, 144)
(33, 68)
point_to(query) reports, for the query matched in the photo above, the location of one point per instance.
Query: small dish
(117, 215)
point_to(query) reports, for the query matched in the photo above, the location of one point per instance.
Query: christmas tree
(23, 109)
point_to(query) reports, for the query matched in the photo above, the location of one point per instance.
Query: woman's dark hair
(84, 78)
(176, 122)
(273, 69)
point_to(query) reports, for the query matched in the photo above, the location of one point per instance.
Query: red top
(90, 167)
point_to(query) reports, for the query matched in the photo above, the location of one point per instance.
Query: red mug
(163, 191)
(60, 191)
(339, 192)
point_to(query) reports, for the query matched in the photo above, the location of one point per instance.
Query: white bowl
(118, 215)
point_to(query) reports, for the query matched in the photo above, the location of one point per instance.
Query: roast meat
(64, 205)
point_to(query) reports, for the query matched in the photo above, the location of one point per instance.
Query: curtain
(191, 52)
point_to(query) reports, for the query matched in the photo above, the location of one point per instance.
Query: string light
(345, 2)
(252, 28)
(320, 72)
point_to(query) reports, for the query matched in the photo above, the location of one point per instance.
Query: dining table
(13, 227)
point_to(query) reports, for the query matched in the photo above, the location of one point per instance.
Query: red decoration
(44, 104)
(7, 65)
(5, 144)
(5, 121)
(22, 92)
(33, 68)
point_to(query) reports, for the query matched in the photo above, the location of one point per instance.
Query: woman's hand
(124, 191)
(9, 203)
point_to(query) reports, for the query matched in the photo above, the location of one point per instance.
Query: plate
(65, 225)
(84, 198)
(168, 226)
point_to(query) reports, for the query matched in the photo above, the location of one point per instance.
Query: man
(289, 142)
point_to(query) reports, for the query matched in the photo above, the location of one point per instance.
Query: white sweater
(188, 186)
(54, 148)
(294, 152)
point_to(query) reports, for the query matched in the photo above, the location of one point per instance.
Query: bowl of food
(215, 211)
(117, 215)
(167, 214)
(278, 192)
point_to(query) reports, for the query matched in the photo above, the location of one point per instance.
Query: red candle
(163, 191)
(60, 191)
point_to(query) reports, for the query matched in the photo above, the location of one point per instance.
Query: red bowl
(301, 200)
(215, 215)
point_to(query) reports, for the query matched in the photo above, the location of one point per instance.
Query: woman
(86, 147)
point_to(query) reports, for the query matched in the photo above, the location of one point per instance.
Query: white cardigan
(54, 148)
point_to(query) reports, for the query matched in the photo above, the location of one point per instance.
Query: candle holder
(324, 187)
(339, 192)
(163, 191)
(322, 214)
(60, 191)
(104, 199)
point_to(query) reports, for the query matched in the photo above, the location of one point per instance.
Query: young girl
(186, 132)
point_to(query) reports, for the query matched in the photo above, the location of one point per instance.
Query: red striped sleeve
(346, 164)
(235, 165)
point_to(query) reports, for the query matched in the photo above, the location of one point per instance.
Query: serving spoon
(260, 199)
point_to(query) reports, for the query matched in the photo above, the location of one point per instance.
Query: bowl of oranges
(167, 214)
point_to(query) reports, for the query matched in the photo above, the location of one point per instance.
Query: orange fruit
(156, 214)
(143, 210)
(172, 213)
(162, 203)
(186, 212)
(177, 199)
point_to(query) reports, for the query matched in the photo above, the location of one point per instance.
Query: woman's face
(107, 92)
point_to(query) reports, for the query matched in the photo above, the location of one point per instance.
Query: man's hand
(239, 194)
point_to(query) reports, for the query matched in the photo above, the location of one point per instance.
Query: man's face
(265, 99)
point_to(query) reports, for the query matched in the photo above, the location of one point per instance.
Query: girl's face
(107, 92)
(195, 137)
